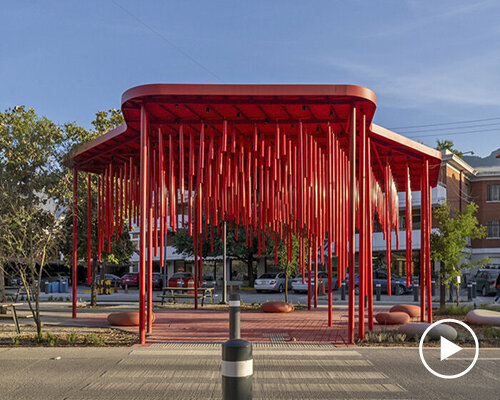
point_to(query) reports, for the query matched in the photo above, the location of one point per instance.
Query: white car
(299, 287)
(270, 281)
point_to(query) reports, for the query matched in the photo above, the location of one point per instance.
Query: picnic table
(12, 306)
(174, 292)
(15, 291)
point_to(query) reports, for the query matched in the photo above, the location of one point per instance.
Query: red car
(131, 279)
(183, 276)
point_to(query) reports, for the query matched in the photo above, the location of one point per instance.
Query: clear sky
(427, 61)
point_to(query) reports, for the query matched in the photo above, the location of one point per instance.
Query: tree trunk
(2, 290)
(286, 283)
(93, 290)
(457, 285)
(442, 296)
(250, 269)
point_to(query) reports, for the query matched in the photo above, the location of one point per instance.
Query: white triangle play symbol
(448, 348)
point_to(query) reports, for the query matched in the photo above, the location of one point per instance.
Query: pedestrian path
(292, 371)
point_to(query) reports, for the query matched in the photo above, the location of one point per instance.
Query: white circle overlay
(454, 321)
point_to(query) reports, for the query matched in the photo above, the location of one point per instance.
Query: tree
(121, 250)
(236, 249)
(448, 145)
(289, 265)
(455, 228)
(30, 176)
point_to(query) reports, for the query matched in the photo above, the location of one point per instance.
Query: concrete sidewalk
(192, 371)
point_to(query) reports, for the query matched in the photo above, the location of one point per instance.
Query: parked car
(208, 281)
(299, 287)
(183, 276)
(398, 283)
(485, 281)
(131, 279)
(110, 277)
(270, 281)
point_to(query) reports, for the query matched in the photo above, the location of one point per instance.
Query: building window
(493, 229)
(493, 193)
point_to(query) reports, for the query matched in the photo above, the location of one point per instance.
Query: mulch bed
(59, 336)
(464, 338)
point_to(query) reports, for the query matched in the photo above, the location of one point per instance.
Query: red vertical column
(352, 225)
(75, 238)
(89, 230)
(362, 264)
(330, 223)
(423, 254)
(428, 222)
(149, 195)
(369, 232)
(142, 225)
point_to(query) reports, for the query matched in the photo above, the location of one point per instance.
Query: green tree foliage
(291, 267)
(447, 245)
(30, 181)
(236, 249)
(448, 145)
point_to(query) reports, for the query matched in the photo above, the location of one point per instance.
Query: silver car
(299, 287)
(270, 281)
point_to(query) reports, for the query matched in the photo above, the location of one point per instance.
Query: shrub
(15, 340)
(455, 310)
(51, 339)
(491, 332)
(72, 338)
(39, 338)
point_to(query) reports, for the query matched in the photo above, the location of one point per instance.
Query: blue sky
(427, 61)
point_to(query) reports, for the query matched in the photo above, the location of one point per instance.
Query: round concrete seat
(127, 318)
(483, 317)
(392, 318)
(411, 309)
(418, 328)
(277, 307)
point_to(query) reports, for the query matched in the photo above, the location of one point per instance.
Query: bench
(12, 306)
(178, 293)
(15, 291)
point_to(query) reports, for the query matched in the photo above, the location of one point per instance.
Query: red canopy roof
(245, 107)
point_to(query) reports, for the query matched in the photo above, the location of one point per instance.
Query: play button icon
(448, 348)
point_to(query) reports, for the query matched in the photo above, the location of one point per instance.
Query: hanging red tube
(161, 169)
(75, 239)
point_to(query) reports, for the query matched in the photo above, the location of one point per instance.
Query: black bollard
(474, 290)
(234, 316)
(237, 358)
(433, 288)
(415, 291)
(237, 370)
(378, 290)
(342, 291)
(469, 292)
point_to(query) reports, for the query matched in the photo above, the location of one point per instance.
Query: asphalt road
(288, 371)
